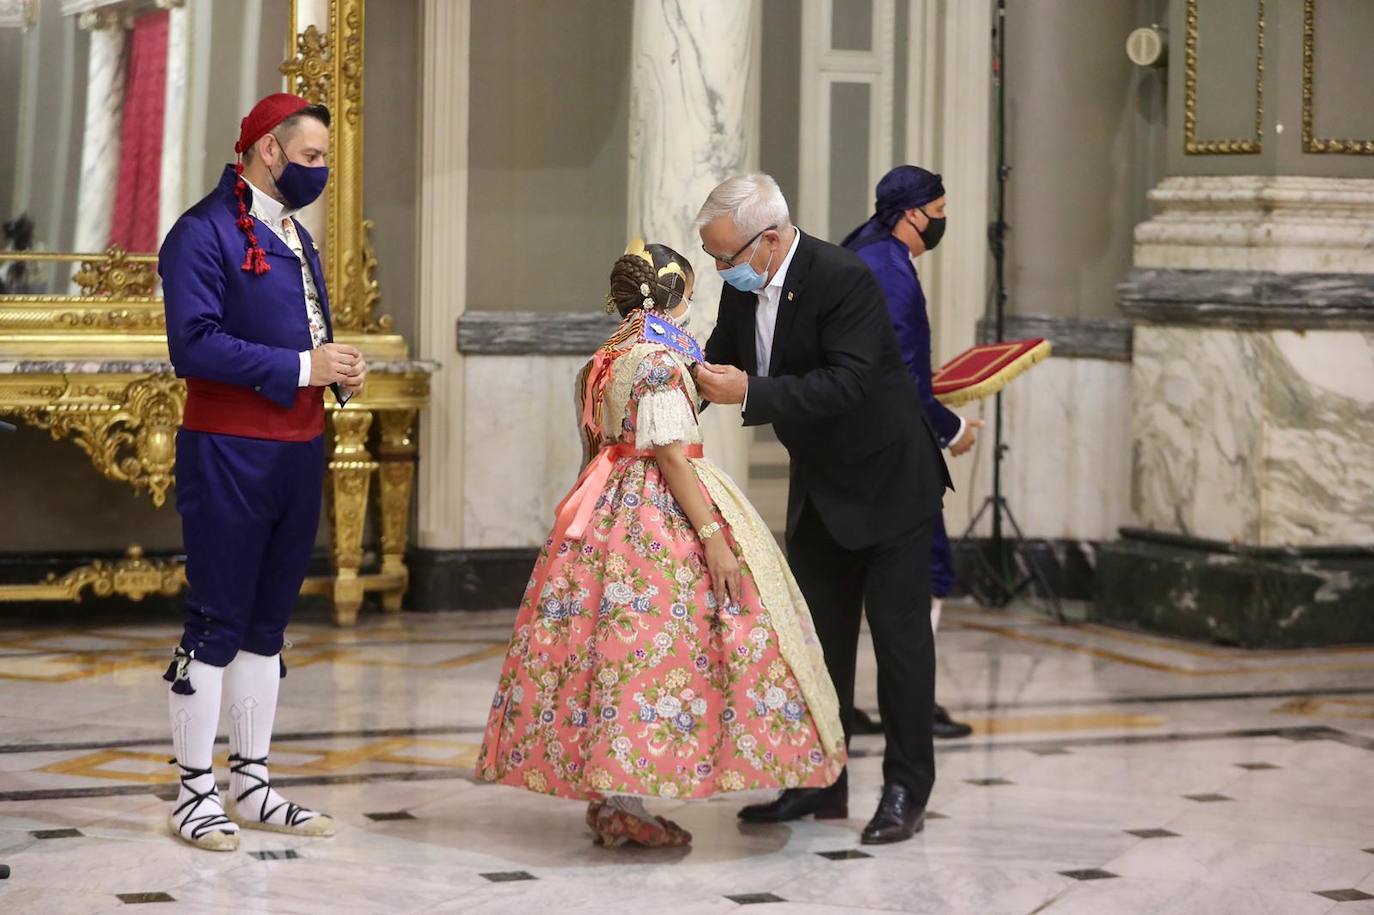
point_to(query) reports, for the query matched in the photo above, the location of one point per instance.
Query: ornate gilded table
(124, 414)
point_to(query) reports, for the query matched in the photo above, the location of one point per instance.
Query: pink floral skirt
(627, 677)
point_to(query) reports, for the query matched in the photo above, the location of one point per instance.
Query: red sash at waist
(230, 409)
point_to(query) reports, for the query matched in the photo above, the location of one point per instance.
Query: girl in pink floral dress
(662, 649)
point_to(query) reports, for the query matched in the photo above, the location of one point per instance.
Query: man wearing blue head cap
(909, 220)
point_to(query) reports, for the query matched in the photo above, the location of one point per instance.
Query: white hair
(753, 203)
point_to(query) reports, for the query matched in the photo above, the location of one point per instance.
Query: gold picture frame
(1193, 146)
(1311, 143)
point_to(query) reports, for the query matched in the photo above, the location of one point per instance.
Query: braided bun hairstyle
(632, 275)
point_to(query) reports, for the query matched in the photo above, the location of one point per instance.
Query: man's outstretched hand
(721, 383)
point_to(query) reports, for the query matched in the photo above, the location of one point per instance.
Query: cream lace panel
(617, 396)
(783, 600)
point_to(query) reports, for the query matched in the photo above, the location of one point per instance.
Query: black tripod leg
(1034, 573)
(986, 572)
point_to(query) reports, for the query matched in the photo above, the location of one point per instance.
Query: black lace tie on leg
(199, 823)
(295, 814)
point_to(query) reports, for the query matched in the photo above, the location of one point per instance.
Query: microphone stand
(1015, 569)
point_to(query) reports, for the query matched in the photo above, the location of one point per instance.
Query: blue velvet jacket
(906, 304)
(229, 325)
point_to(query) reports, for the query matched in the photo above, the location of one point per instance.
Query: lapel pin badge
(790, 295)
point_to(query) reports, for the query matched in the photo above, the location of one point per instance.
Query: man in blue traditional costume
(248, 328)
(909, 220)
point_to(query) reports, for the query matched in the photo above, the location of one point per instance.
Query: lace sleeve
(662, 408)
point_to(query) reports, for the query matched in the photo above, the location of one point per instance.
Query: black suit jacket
(839, 397)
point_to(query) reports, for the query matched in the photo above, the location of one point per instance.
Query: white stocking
(251, 684)
(198, 815)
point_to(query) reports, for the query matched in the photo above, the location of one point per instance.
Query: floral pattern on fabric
(626, 676)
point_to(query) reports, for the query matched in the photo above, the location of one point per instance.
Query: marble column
(100, 141)
(172, 189)
(445, 41)
(693, 122)
(1253, 412)
(1252, 422)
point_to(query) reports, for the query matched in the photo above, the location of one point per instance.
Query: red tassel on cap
(264, 117)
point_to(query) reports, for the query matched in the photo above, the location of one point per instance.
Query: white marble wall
(1198, 408)
(1259, 437)
(1319, 438)
(1067, 473)
(693, 123)
(522, 450)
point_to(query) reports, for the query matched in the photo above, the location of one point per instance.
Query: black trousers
(892, 582)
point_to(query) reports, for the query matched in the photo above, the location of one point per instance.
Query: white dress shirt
(273, 214)
(766, 317)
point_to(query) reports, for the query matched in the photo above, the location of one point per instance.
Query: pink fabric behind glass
(140, 158)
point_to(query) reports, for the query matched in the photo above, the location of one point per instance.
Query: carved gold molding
(1310, 142)
(328, 68)
(133, 576)
(312, 67)
(1191, 144)
(127, 428)
(117, 274)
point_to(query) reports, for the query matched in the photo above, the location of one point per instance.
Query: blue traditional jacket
(229, 325)
(891, 264)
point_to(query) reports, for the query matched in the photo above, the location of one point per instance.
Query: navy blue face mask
(300, 185)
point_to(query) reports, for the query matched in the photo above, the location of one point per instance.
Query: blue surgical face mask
(744, 277)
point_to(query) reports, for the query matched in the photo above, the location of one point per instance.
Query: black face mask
(933, 232)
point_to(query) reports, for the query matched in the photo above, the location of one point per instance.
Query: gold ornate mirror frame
(94, 368)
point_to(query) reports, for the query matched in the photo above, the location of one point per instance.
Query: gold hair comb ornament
(636, 247)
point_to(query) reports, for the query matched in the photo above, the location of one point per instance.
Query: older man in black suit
(804, 342)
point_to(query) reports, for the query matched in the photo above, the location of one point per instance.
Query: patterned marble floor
(1111, 772)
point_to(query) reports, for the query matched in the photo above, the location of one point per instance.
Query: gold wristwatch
(710, 530)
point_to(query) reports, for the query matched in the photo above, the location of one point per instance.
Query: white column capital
(18, 14)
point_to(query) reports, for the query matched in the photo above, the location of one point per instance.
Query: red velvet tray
(983, 370)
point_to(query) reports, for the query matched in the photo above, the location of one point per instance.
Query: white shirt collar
(781, 276)
(268, 208)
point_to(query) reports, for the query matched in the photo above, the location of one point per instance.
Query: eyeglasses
(734, 257)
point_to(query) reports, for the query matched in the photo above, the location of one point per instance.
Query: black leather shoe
(864, 723)
(898, 818)
(823, 803)
(946, 728)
